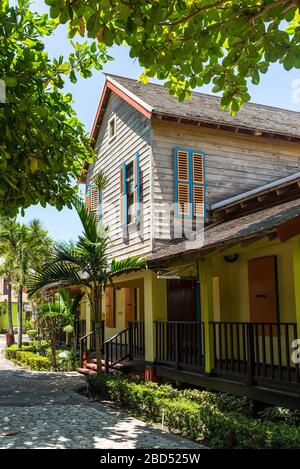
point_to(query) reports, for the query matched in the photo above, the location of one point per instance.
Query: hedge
(10, 352)
(199, 416)
(27, 358)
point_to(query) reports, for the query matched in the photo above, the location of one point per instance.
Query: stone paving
(42, 410)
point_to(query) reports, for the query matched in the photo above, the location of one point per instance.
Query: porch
(255, 354)
(252, 359)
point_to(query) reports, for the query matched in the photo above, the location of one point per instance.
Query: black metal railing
(260, 351)
(180, 343)
(87, 344)
(137, 339)
(127, 344)
(117, 348)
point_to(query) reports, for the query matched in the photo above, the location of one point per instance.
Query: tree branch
(195, 13)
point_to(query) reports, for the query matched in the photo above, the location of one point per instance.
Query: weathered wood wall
(133, 134)
(234, 164)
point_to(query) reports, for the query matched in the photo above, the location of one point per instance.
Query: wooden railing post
(250, 355)
(81, 353)
(130, 340)
(106, 358)
(177, 344)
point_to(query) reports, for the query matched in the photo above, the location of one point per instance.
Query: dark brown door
(182, 300)
(262, 278)
(130, 305)
(182, 339)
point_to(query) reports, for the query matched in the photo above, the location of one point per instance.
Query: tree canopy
(189, 43)
(43, 144)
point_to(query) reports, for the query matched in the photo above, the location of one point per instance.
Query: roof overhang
(221, 126)
(283, 189)
(112, 85)
(122, 92)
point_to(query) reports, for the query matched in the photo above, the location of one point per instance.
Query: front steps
(127, 367)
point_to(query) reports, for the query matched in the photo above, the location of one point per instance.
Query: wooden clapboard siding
(133, 134)
(234, 164)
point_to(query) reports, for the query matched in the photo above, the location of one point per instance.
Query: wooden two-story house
(212, 201)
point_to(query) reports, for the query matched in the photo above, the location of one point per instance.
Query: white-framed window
(112, 128)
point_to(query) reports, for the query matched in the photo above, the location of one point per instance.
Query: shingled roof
(249, 227)
(205, 109)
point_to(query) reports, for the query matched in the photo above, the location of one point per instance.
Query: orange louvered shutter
(110, 307)
(182, 183)
(95, 202)
(198, 173)
(189, 183)
(88, 198)
(198, 185)
(123, 196)
(183, 166)
(198, 196)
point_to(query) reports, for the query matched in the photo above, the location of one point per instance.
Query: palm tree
(85, 263)
(52, 317)
(24, 249)
(71, 305)
(8, 239)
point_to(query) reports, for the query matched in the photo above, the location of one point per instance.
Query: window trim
(190, 182)
(130, 195)
(112, 119)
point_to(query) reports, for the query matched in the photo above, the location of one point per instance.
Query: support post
(296, 268)
(205, 278)
(88, 323)
(155, 309)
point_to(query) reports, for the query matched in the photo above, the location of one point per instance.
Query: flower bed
(219, 420)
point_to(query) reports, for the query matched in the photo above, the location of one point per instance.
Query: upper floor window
(189, 172)
(112, 128)
(93, 201)
(130, 192)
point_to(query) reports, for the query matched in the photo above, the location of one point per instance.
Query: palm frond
(100, 180)
(127, 265)
(59, 273)
(87, 219)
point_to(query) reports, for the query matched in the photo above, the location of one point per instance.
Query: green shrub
(32, 361)
(281, 414)
(27, 358)
(10, 352)
(224, 402)
(220, 419)
(33, 334)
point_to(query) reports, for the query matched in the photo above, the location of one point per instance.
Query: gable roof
(154, 100)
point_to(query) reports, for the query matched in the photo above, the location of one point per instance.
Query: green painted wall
(4, 317)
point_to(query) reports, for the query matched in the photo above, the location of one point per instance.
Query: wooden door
(263, 290)
(182, 300)
(110, 317)
(182, 339)
(130, 305)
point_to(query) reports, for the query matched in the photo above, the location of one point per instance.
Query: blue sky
(275, 89)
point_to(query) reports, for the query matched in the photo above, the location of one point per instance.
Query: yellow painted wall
(233, 283)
